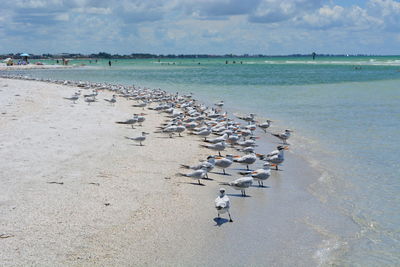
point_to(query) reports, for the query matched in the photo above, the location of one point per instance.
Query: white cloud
(198, 26)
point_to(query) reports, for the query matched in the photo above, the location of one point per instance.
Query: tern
(275, 159)
(197, 174)
(219, 104)
(245, 160)
(217, 147)
(283, 136)
(130, 122)
(90, 99)
(241, 184)
(112, 100)
(204, 133)
(73, 98)
(139, 139)
(222, 204)
(208, 165)
(265, 125)
(260, 175)
(223, 163)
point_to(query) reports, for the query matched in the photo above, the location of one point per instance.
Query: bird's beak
(253, 172)
(218, 157)
(273, 165)
(236, 156)
(259, 155)
(286, 148)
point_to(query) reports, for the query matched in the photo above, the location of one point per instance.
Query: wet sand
(75, 192)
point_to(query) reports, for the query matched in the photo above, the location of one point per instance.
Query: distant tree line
(148, 55)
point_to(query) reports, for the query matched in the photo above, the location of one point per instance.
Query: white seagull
(222, 204)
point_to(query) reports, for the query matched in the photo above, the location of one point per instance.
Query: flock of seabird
(211, 124)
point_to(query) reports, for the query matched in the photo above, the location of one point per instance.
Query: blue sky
(202, 26)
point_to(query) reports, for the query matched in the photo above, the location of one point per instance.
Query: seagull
(197, 174)
(241, 184)
(139, 139)
(222, 204)
(265, 125)
(217, 147)
(283, 136)
(245, 160)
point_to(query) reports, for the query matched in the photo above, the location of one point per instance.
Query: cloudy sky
(200, 26)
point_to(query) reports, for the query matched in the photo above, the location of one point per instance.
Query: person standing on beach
(109, 63)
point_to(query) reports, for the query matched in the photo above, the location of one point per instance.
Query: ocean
(345, 113)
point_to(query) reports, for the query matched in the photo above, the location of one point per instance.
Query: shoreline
(147, 221)
(31, 66)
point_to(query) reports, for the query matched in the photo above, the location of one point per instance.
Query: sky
(271, 27)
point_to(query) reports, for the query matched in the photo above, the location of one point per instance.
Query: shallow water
(346, 117)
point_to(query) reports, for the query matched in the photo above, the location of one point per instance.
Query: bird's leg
(207, 175)
(230, 219)
(140, 143)
(199, 181)
(244, 192)
(219, 153)
(224, 171)
(276, 167)
(247, 167)
(218, 216)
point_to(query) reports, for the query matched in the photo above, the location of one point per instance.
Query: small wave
(326, 254)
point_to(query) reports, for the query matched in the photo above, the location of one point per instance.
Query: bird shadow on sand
(164, 137)
(257, 186)
(237, 195)
(221, 173)
(192, 183)
(135, 145)
(220, 221)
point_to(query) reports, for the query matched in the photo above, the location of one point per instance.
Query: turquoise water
(346, 115)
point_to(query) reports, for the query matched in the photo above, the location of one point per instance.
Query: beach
(4, 67)
(76, 192)
(86, 196)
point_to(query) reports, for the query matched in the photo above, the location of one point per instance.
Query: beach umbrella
(24, 55)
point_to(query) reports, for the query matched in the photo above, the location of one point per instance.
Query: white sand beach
(4, 67)
(75, 192)
(118, 203)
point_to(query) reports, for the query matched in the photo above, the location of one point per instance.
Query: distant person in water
(109, 63)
